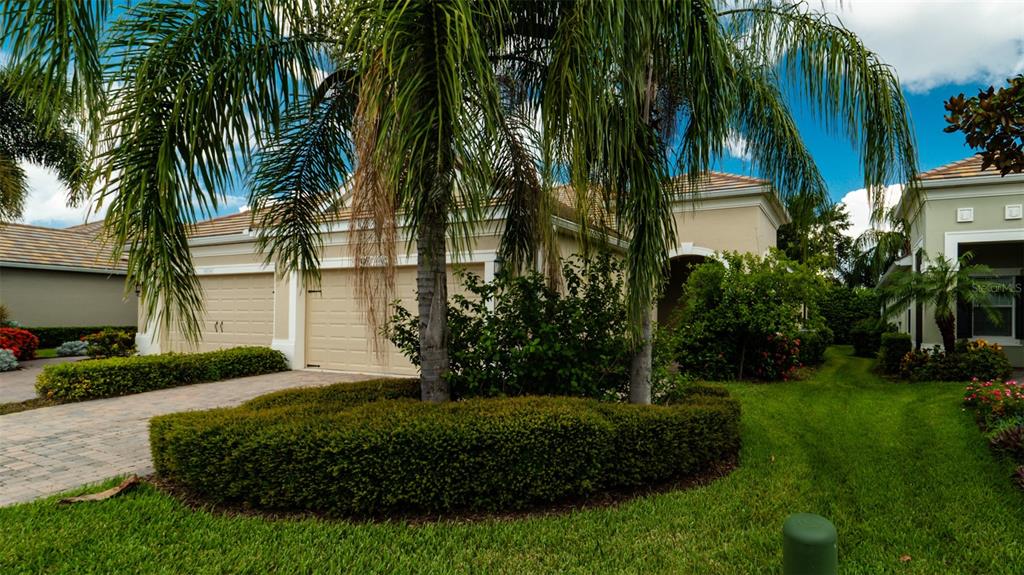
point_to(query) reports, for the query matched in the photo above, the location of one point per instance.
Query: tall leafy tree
(994, 122)
(941, 284)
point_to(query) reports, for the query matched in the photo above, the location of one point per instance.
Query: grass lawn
(899, 469)
(46, 352)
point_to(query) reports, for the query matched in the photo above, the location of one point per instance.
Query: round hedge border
(370, 449)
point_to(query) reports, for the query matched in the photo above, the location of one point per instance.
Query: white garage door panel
(338, 335)
(239, 311)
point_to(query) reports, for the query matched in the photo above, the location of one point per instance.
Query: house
(326, 327)
(963, 208)
(62, 278)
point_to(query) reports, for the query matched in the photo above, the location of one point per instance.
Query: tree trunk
(432, 297)
(640, 372)
(947, 327)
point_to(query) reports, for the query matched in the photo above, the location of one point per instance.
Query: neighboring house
(963, 209)
(62, 278)
(326, 327)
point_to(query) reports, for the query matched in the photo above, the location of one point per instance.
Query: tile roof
(710, 183)
(88, 228)
(965, 168)
(36, 245)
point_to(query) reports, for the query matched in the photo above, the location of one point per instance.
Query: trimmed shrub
(319, 450)
(866, 336)
(8, 362)
(894, 347)
(21, 342)
(111, 343)
(971, 360)
(126, 375)
(843, 306)
(54, 336)
(72, 349)
(813, 344)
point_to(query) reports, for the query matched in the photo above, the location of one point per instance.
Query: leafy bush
(842, 307)
(812, 344)
(866, 336)
(8, 362)
(894, 347)
(971, 359)
(320, 450)
(1008, 440)
(111, 343)
(993, 401)
(126, 375)
(21, 342)
(54, 336)
(517, 336)
(741, 317)
(5, 315)
(72, 349)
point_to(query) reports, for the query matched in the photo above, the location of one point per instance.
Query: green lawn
(46, 352)
(899, 468)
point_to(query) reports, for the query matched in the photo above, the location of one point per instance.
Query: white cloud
(937, 42)
(47, 202)
(737, 147)
(859, 208)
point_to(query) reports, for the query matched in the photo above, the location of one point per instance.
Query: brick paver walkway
(48, 450)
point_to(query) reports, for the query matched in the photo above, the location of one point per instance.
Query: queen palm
(45, 137)
(628, 92)
(942, 284)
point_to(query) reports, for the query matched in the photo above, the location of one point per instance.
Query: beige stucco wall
(48, 298)
(939, 216)
(741, 229)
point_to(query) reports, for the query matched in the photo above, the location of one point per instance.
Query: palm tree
(423, 109)
(396, 109)
(628, 92)
(941, 284)
(45, 137)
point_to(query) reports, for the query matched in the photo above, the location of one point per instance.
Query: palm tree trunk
(947, 327)
(640, 372)
(432, 297)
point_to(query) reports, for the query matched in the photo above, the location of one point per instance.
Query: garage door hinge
(313, 291)
(312, 365)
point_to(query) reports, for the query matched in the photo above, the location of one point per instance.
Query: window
(1003, 308)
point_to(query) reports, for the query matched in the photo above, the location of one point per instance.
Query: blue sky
(939, 48)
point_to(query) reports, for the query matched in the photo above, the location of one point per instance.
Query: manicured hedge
(331, 451)
(54, 336)
(893, 347)
(92, 379)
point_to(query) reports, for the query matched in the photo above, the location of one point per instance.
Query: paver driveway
(44, 451)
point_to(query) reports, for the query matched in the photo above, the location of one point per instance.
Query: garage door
(239, 311)
(338, 335)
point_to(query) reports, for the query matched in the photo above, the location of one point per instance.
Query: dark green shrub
(1008, 440)
(110, 343)
(894, 346)
(813, 344)
(971, 359)
(842, 307)
(741, 317)
(866, 336)
(403, 455)
(516, 335)
(54, 336)
(93, 379)
(339, 395)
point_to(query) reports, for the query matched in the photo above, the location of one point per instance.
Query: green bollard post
(809, 546)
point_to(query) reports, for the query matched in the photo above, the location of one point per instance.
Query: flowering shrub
(7, 360)
(778, 359)
(973, 359)
(21, 342)
(110, 343)
(995, 400)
